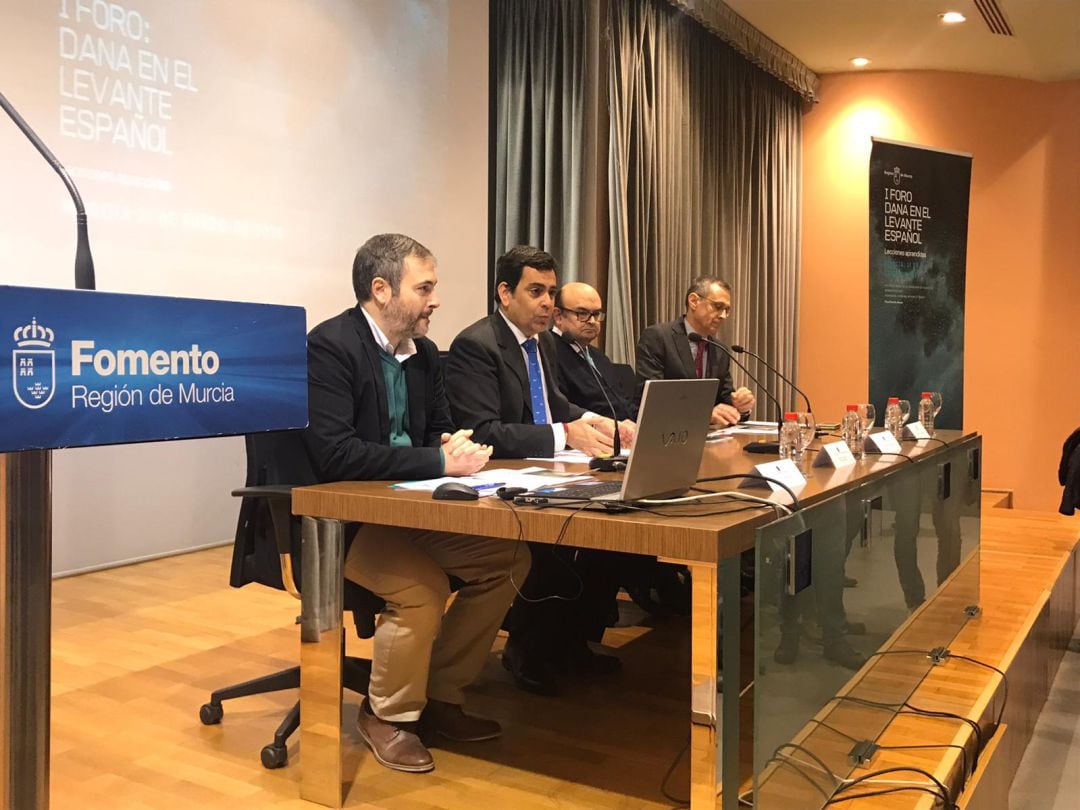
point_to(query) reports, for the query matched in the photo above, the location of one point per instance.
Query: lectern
(93, 368)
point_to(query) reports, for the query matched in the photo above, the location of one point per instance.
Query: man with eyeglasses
(668, 351)
(578, 315)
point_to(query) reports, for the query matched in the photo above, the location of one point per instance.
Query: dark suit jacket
(663, 353)
(348, 433)
(488, 386)
(1069, 474)
(579, 384)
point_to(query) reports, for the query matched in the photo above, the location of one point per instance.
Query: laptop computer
(673, 419)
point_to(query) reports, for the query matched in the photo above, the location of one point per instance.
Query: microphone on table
(752, 447)
(615, 463)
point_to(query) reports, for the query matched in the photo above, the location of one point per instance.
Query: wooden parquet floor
(137, 651)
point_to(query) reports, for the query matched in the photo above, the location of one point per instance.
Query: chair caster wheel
(274, 757)
(210, 714)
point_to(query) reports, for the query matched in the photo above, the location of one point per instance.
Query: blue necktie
(536, 383)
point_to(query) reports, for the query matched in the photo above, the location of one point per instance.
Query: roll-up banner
(918, 262)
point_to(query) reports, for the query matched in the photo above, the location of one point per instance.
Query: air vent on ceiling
(994, 17)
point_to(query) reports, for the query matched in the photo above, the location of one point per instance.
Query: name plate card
(89, 368)
(834, 454)
(883, 442)
(915, 430)
(785, 471)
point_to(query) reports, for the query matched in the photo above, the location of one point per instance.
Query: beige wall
(314, 126)
(1022, 370)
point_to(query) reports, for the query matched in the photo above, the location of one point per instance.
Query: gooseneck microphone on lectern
(615, 463)
(84, 262)
(776, 371)
(760, 446)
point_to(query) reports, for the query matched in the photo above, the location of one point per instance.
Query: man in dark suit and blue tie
(501, 378)
(502, 370)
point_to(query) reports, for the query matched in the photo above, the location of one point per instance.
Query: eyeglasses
(719, 307)
(586, 315)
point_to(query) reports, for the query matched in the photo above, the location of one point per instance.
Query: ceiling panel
(909, 35)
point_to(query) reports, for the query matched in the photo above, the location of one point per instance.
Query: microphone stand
(615, 463)
(759, 446)
(84, 262)
(764, 362)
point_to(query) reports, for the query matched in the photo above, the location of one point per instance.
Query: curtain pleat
(703, 178)
(540, 57)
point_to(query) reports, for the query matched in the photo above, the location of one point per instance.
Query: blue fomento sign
(91, 368)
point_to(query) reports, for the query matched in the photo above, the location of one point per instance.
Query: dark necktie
(699, 359)
(536, 382)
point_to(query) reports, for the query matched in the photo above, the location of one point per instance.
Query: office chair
(266, 549)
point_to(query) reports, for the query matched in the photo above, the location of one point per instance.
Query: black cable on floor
(679, 803)
(961, 748)
(945, 656)
(838, 799)
(1004, 682)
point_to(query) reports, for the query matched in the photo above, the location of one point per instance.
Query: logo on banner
(897, 175)
(33, 365)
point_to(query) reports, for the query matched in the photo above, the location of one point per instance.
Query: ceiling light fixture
(860, 61)
(952, 17)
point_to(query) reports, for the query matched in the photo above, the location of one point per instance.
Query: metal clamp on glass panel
(869, 505)
(944, 486)
(974, 463)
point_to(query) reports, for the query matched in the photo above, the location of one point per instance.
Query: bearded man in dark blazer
(502, 377)
(378, 411)
(667, 351)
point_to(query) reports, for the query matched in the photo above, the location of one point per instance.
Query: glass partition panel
(850, 596)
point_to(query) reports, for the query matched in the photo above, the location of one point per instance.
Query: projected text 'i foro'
(115, 88)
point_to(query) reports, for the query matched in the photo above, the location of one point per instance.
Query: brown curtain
(704, 177)
(540, 54)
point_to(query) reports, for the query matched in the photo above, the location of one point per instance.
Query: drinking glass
(868, 414)
(935, 397)
(905, 411)
(807, 426)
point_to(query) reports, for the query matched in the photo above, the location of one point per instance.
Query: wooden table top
(691, 533)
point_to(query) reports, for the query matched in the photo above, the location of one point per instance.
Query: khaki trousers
(418, 651)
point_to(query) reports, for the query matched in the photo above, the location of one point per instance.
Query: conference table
(710, 546)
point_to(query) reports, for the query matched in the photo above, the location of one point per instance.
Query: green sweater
(397, 400)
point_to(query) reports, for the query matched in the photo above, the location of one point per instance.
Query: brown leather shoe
(450, 720)
(395, 745)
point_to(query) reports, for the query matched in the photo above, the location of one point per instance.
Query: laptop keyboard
(585, 492)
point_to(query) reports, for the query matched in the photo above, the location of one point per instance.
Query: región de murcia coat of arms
(33, 365)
